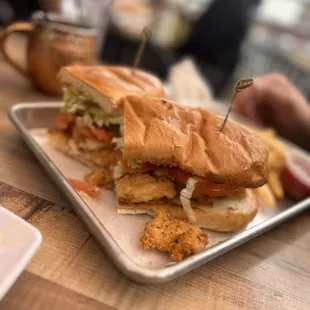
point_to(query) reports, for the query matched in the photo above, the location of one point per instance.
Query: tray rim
(131, 269)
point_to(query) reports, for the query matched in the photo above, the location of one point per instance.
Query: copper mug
(52, 44)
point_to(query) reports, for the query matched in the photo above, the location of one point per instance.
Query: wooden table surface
(70, 269)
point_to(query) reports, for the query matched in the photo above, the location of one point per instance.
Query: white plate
(18, 243)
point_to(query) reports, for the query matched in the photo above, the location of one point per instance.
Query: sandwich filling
(80, 104)
(144, 183)
(89, 127)
(177, 156)
(89, 130)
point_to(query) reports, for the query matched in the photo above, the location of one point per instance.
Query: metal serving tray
(119, 234)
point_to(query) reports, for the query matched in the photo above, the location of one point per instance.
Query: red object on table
(295, 176)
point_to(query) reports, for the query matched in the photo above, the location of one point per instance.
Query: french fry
(273, 144)
(267, 131)
(275, 185)
(100, 176)
(273, 190)
(275, 161)
(268, 136)
(266, 196)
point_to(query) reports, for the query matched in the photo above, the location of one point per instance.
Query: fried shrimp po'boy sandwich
(90, 123)
(176, 160)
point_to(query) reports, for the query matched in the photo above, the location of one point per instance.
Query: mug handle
(15, 27)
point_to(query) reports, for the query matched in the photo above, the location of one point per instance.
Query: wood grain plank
(32, 292)
(271, 263)
(295, 231)
(5, 123)
(207, 287)
(63, 238)
(19, 202)
(16, 89)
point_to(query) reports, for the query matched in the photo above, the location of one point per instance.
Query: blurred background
(226, 39)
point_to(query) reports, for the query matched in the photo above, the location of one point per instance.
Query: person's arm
(304, 132)
(51, 5)
(273, 101)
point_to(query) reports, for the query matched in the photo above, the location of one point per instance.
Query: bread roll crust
(225, 214)
(164, 133)
(108, 85)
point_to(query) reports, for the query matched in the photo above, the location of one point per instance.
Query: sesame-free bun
(165, 133)
(221, 214)
(108, 85)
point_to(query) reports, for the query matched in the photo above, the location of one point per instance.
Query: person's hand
(273, 101)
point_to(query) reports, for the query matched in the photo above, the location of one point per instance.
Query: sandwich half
(176, 160)
(89, 126)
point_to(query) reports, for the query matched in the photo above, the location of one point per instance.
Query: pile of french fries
(273, 189)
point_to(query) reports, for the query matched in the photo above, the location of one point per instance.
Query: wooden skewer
(240, 86)
(146, 33)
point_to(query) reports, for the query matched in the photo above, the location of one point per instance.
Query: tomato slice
(102, 134)
(213, 189)
(180, 174)
(145, 167)
(64, 120)
(81, 186)
(91, 132)
(84, 128)
(206, 187)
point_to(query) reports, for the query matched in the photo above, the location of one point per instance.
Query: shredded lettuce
(88, 119)
(75, 103)
(121, 128)
(119, 141)
(185, 197)
(133, 164)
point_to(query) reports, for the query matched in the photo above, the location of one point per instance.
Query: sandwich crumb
(177, 237)
(100, 177)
